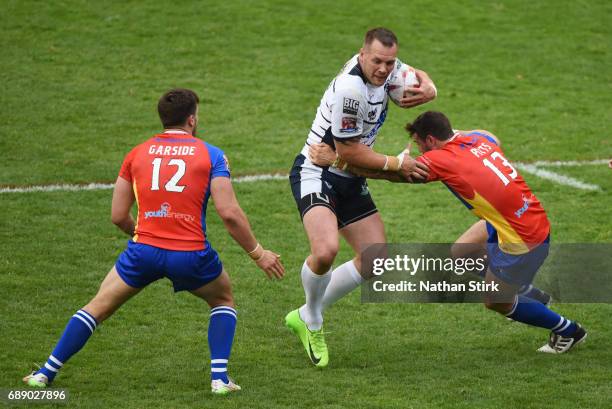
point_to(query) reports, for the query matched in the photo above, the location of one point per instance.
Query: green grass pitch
(80, 86)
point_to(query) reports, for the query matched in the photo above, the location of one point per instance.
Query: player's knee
(99, 310)
(224, 297)
(470, 250)
(222, 301)
(456, 250)
(324, 255)
(500, 307)
(489, 304)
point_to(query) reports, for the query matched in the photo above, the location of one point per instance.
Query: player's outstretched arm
(238, 226)
(123, 199)
(425, 92)
(378, 174)
(356, 154)
(323, 155)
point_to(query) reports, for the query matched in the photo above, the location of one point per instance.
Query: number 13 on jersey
(497, 171)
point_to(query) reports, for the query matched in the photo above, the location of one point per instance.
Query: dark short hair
(431, 123)
(384, 35)
(175, 106)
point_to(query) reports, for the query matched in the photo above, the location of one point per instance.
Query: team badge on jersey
(372, 114)
(349, 124)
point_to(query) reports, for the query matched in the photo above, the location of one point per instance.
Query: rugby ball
(402, 78)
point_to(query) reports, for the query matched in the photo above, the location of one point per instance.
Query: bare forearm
(360, 156)
(127, 225)
(423, 76)
(377, 174)
(238, 227)
(123, 199)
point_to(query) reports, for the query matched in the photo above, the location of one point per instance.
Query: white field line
(106, 186)
(567, 163)
(57, 188)
(532, 168)
(555, 177)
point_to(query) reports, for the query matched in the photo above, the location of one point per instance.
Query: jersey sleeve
(347, 114)
(126, 168)
(219, 162)
(433, 163)
(484, 135)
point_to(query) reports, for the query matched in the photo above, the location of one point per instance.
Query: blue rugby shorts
(517, 269)
(141, 264)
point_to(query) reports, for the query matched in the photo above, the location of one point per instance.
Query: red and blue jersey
(171, 175)
(475, 169)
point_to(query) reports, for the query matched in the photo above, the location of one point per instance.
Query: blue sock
(220, 338)
(538, 315)
(77, 332)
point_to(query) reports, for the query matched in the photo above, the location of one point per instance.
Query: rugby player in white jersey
(332, 201)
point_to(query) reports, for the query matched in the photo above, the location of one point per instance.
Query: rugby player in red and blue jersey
(474, 168)
(170, 177)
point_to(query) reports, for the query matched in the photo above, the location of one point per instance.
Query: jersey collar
(358, 72)
(176, 131)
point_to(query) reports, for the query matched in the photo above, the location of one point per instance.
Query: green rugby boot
(36, 380)
(313, 341)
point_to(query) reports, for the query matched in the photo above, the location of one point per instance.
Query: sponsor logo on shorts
(165, 211)
(364, 190)
(322, 197)
(350, 106)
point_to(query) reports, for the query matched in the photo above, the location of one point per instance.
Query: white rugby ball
(403, 77)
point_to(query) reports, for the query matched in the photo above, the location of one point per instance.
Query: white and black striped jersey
(350, 107)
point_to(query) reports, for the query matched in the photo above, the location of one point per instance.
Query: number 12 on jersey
(172, 185)
(496, 170)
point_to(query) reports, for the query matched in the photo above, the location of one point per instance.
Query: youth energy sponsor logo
(523, 209)
(165, 211)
